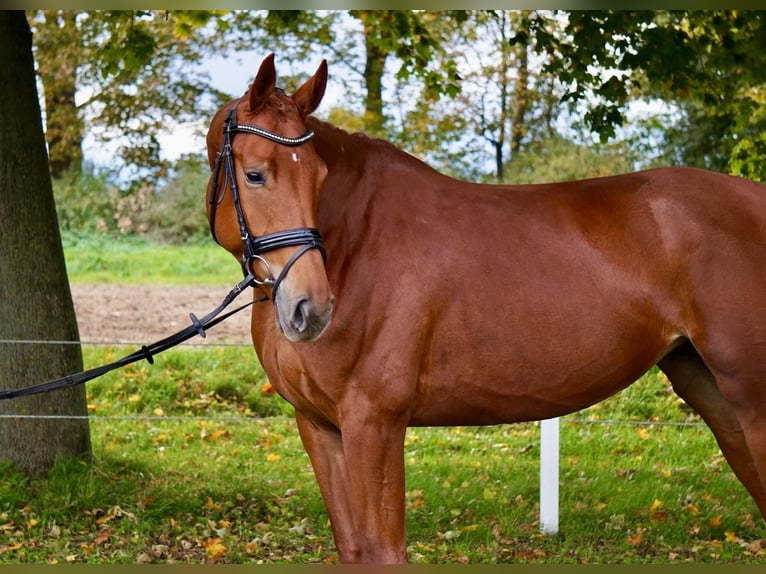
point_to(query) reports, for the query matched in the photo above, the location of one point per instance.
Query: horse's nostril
(300, 315)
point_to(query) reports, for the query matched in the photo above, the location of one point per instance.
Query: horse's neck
(356, 160)
(358, 167)
(343, 152)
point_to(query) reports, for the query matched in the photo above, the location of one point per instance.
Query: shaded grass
(186, 470)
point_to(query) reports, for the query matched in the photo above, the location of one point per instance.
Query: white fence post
(549, 476)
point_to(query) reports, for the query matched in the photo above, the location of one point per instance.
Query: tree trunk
(374, 68)
(35, 300)
(518, 126)
(58, 73)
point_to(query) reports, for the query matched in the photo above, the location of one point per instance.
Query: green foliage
(136, 73)
(130, 44)
(177, 213)
(84, 202)
(747, 158)
(709, 63)
(90, 203)
(140, 71)
(560, 159)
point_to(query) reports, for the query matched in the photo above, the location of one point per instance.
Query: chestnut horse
(454, 303)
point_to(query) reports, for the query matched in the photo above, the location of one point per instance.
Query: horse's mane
(360, 142)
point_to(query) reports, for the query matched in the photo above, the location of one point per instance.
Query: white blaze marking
(295, 157)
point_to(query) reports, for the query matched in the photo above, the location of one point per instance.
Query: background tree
(709, 64)
(35, 300)
(122, 74)
(507, 102)
(367, 45)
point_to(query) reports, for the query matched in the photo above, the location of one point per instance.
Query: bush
(84, 202)
(177, 213)
(173, 212)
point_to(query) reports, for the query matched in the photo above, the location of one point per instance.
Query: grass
(197, 461)
(99, 259)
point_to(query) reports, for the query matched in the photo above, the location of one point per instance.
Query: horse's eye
(255, 178)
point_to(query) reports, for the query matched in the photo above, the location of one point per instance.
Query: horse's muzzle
(302, 318)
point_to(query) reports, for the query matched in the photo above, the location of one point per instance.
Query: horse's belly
(501, 380)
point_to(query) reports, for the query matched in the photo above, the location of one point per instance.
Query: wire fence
(572, 418)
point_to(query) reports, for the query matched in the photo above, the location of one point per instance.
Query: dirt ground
(143, 314)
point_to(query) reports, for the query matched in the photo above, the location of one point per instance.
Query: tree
(506, 102)
(711, 64)
(380, 41)
(132, 70)
(128, 74)
(35, 300)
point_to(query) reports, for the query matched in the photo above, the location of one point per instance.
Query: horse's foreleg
(325, 449)
(374, 451)
(694, 382)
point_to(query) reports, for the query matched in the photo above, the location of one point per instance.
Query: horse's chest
(301, 380)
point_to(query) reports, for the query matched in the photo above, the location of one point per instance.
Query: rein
(198, 327)
(254, 247)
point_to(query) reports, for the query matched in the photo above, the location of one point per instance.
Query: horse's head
(262, 197)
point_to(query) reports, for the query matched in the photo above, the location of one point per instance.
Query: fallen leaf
(748, 522)
(102, 537)
(114, 512)
(273, 457)
(693, 508)
(86, 549)
(636, 540)
(216, 434)
(449, 535)
(10, 548)
(730, 536)
(267, 388)
(214, 549)
(716, 521)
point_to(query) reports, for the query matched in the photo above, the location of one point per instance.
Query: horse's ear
(308, 96)
(263, 85)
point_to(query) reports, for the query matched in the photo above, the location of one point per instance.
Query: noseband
(254, 247)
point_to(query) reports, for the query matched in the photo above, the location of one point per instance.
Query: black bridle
(254, 246)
